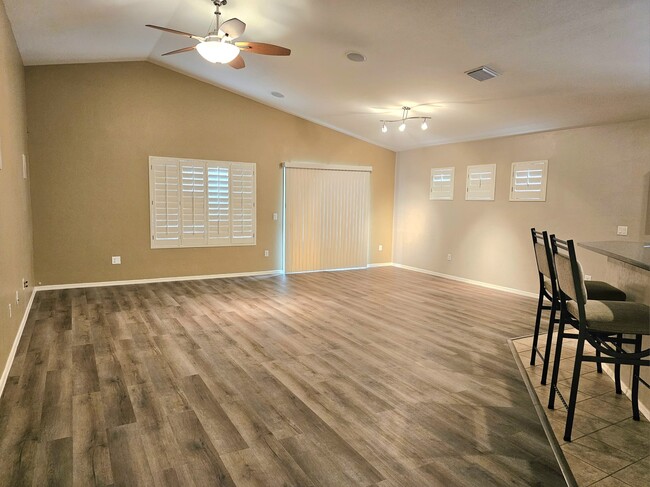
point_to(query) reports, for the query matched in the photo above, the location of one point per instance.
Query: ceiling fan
(218, 45)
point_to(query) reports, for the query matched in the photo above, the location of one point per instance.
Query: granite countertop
(633, 253)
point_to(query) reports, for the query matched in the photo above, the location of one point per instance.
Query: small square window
(481, 182)
(528, 181)
(442, 183)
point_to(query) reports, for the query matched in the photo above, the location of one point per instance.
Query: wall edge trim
(14, 347)
(156, 279)
(488, 285)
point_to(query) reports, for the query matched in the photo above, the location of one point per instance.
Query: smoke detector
(481, 74)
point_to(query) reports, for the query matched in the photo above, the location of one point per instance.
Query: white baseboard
(14, 348)
(155, 279)
(627, 390)
(382, 264)
(510, 290)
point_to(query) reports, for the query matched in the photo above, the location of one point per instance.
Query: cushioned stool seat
(613, 317)
(603, 291)
(598, 290)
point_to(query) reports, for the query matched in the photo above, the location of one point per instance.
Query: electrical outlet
(266, 253)
(449, 257)
(587, 277)
(621, 230)
(381, 247)
(25, 283)
(275, 216)
(116, 259)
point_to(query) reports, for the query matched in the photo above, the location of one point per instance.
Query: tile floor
(609, 449)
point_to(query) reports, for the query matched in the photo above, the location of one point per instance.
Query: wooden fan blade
(173, 31)
(178, 51)
(232, 28)
(261, 48)
(238, 62)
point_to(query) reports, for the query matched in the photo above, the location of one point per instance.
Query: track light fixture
(402, 121)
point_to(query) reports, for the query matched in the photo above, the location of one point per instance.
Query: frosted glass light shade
(217, 51)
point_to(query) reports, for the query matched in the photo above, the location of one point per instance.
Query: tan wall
(598, 179)
(92, 128)
(15, 216)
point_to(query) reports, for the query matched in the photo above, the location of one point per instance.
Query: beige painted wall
(91, 130)
(15, 215)
(597, 180)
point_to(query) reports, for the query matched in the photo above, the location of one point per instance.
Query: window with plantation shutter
(197, 203)
(193, 203)
(481, 182)
(164, 183)
(442, 183)
(242, 200)
(218, 204)
(528, 181)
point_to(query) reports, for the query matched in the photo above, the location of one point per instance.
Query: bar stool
(599, 322)
(548, 290)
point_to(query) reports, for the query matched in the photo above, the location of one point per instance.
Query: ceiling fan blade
(178, 51)
(173, 31)
(261, 48)
(232, 28)
(238, 62)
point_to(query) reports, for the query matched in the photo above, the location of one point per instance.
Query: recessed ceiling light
(355, 57)
(277, 94)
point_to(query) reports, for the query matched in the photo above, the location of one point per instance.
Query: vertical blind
(197, 203)
(327, 219)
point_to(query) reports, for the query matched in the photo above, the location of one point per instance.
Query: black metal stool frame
(601, 342)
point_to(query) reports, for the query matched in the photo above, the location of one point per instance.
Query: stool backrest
(569, 271)
(543, 255)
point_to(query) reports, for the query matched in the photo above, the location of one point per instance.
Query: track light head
(402, 127)
(384, 129)
(424, 125)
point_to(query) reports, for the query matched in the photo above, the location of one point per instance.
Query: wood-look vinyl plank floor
(379, 377)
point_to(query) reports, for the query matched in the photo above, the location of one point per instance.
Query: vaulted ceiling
(562, 63)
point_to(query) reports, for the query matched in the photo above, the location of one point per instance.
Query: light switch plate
(116, 259)
(24, 166)
(621, 230)
(275, 216)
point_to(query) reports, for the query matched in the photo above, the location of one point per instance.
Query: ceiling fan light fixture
(217, 51)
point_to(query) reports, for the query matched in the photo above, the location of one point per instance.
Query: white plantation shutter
(198, 203)
(218, 204)
(528, 181)
(242, 201)
(442, 183)
(481, 182)
(164, 182)
(193, 203)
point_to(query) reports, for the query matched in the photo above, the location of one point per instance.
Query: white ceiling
(564, 63)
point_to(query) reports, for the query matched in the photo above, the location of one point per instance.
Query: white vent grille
(482, 74)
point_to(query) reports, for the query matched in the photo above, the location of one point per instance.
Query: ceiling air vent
(482, 73)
